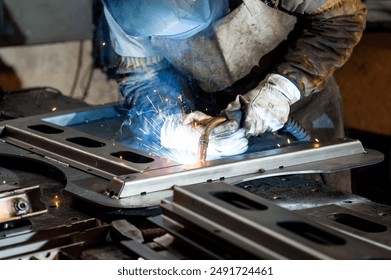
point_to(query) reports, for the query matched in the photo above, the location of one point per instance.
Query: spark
(161, 98)
(153, 105)
(56, 201)
(316, 145)
(54, 109)
(103, 43)
(143, 131)
(154, 126)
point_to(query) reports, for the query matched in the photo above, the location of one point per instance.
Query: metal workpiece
(19, 202)
(72, 190)
(306, 158)
(220, 214)
(310, 197)
(120, 176)
(371, 226)
(58, 242)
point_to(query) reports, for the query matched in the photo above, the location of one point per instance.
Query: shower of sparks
(149, 140)
(183, 156)
(154, 147)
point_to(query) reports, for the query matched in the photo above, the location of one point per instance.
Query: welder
(254, 62)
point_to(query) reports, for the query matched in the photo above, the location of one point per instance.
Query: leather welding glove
(180, 132)
(152, 91)
(266, 107)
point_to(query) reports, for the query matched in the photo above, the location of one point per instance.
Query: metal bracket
(17, 203)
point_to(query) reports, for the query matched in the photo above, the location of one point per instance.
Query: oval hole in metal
(132, 157)
(86, 142)
(312, 233)
(357, 222)
(238, 200)
(46, 129)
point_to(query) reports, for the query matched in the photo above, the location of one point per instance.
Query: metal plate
(85, 141)
(221, 214)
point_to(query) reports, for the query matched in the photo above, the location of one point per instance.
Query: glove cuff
(134, 63)
(134, 69)
(285, 87)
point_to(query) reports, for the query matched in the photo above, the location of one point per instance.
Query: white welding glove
(181, 132)
(266, 107)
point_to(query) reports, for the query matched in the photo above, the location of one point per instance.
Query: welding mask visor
(162, 18)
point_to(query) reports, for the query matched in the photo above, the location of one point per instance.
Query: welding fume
(228, 71)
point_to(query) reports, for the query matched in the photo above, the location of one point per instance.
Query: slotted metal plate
(85, 140)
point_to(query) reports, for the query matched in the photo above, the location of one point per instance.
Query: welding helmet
(163, 18)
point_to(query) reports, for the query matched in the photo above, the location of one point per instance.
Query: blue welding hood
(165, 18)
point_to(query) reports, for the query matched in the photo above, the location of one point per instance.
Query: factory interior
(57, 65)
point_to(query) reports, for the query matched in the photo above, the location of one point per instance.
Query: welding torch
(203, 142)
(291, 126)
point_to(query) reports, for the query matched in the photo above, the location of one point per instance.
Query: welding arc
(203, 143)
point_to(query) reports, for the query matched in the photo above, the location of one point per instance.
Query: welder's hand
(182, 132)
(198, 118)
(266, 107)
